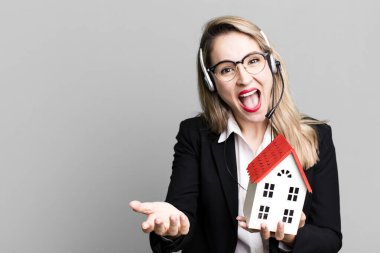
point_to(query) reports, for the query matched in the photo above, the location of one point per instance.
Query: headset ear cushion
(207, 77)
(272, 64)
(209, 83)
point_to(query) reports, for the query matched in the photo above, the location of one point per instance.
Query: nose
(243, 77)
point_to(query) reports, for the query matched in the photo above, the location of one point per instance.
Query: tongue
(250, 101)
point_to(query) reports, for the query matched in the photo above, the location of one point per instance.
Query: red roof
(270, 157)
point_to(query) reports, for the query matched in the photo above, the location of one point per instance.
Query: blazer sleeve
(184, 183)
(322, 231)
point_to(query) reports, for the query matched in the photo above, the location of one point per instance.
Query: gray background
(92, 93)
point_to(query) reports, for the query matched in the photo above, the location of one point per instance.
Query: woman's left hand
(279, 234)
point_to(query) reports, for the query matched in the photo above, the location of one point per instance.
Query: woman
(243, 89)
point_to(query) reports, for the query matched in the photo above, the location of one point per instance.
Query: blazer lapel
(225, 160)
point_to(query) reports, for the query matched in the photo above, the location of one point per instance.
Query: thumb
(303, 220)
(144, 208)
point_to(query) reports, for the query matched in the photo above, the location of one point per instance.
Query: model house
(277, 188)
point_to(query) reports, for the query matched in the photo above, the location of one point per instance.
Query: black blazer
(202, 187)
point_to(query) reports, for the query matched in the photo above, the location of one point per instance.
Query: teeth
(248, 94)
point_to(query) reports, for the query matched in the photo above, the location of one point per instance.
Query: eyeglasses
(253, 63)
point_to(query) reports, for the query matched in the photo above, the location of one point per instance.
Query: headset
(205, 71)
(274, 65)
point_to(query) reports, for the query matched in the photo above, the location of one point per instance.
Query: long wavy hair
(287, 120)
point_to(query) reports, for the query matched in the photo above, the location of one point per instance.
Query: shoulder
(197, 122)
(196, 128)
(324, 133)
(192, 133)
(322, 129)
(326, 147)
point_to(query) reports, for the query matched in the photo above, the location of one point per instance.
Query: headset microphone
(271, 112)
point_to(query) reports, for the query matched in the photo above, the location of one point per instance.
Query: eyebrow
(226, 60)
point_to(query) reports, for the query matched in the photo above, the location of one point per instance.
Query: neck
(254, 133)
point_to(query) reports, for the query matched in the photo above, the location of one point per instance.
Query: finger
(242, 221)
(144, 208)
(173, 226)
(133, 204)
(159, 227)
(148, 225)
(243, 224)
(279, 235)
(184, 224)
(303, 220)
(265, 233)
(241, 218)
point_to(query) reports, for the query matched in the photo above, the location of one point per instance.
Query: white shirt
(247, 242)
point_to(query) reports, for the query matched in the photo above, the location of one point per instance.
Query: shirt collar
(233, 127)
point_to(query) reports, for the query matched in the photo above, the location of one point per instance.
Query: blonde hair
(287, 120)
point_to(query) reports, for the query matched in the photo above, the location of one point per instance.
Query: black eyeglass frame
(266, 56)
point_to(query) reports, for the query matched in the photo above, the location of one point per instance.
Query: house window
(263, 212)
(268, 190)
(286, 173)
(293, 193)
(288, 216)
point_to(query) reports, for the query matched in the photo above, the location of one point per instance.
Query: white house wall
(278, 203)
(249, 199)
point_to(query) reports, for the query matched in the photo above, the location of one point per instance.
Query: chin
(258, 118)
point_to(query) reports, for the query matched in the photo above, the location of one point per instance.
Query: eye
(227, 70)
(254, 60)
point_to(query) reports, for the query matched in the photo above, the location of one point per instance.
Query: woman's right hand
(162, 218)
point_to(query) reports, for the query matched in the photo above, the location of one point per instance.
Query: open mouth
(250, 100)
